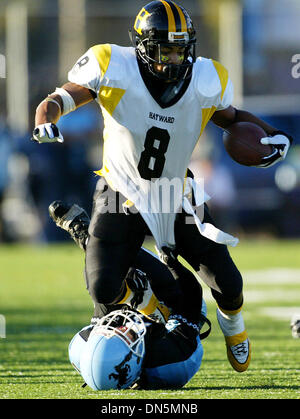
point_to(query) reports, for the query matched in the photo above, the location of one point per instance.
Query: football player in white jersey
(156, 99)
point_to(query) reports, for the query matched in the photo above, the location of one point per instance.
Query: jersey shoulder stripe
(86, 72)
(104, 65)
(116, 62)
(103, 54)
(211, 79)
(213, 86)
(222, 74)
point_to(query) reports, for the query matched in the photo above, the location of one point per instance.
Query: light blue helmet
(113, 354)
(77, 345)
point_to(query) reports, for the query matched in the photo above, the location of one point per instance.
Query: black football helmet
(164, 23)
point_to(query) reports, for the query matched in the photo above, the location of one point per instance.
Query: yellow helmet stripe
(182, 18)
(171, 18)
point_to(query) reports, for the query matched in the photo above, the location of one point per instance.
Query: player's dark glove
(138, 283)
(281, 143)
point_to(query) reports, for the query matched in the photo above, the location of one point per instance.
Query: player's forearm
(244, 116)
(67, 99)
(48, 111)
(231, 115)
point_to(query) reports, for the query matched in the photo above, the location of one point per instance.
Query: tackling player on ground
(139, 341)
(156, 99)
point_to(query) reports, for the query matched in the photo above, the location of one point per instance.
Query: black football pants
(115, 245)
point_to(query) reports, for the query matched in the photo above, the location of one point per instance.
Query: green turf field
(44, 302)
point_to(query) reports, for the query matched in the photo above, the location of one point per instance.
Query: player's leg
(216, 268)
(220, 268)
(110, 246)
(113, 244)
(211, 261)
(74, 219)
(112, 256)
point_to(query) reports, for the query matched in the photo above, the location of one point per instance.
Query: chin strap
(205, 334)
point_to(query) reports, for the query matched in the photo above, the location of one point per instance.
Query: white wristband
(49, 99)
(68, 101)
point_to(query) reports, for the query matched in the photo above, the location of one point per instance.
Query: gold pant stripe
(126, 296)
(164, 311)
(151, 306)
(231, 312)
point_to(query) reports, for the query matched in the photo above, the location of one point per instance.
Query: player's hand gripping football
(281, 143)
(47, 133)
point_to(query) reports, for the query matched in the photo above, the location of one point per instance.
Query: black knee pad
(226, 302)
(103, 288)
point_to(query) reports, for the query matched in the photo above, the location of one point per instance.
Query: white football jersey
(147, 148)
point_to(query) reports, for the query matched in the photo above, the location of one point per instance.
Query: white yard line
(280, 313)
(272, 277)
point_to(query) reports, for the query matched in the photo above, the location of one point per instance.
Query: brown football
(242, 143)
